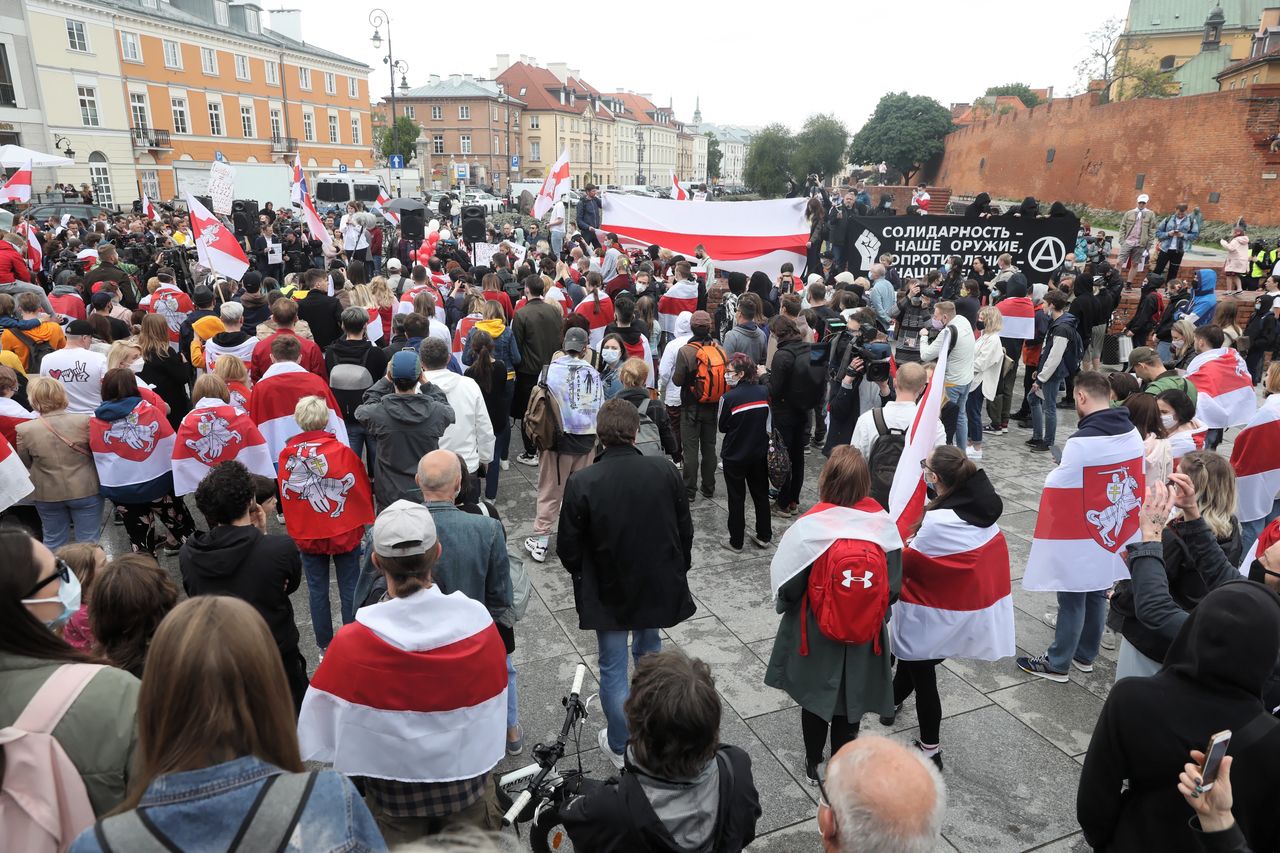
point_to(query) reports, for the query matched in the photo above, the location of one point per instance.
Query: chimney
(435, 79)
(575, 73)
(287, 22)
(455, 79)
(467, 77)
(504, 62)
(559, 69)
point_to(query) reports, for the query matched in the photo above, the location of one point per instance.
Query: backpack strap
(132, 832)
(1255, 730)
(55, 697)
(877, 415)
(725, 767)
(274, 814)
(643, 408)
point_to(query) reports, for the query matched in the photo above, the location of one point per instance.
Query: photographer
(298, 254)
(853, 357)
(915, 313)
(108, 269)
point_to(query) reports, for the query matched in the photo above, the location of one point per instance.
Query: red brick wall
(1187, 148)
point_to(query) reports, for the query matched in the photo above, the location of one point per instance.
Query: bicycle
(540, 800)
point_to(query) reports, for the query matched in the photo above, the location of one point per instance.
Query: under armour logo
(865, 580)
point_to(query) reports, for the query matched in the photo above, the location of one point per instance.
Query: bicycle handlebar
(578, 676)
(575, 710)
(518, 806)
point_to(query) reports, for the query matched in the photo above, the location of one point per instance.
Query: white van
(341, 187)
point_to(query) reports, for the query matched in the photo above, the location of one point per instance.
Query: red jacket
(13, 267)
(312, 358)
(69, 304)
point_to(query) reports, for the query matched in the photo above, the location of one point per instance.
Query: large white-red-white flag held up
(149, 209)
(1226, 397)
(1019, 315)
(18, 187)
(677, 191)
(298, 184)
(216, 246)
(314, 223)
(1255, 456)
(1088, 513)
(35, 252)
(384, 199)
(555, 186)
(907, 494)
(742, 237)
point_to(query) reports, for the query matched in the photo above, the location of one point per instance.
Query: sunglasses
(61, 572)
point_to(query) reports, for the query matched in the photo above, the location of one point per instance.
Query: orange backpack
(710, 367)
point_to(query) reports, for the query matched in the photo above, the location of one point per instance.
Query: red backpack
(848, 593)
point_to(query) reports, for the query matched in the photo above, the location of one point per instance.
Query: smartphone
(1213, 755)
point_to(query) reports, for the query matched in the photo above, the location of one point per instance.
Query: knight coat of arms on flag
(1112, 495)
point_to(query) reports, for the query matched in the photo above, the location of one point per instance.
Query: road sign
(397, 161)
(342, 167)
(217, 155)
(515, 161)
(464, 171)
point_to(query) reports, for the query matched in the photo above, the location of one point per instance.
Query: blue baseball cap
(404, 365)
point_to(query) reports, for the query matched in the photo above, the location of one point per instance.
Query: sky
(842, 59)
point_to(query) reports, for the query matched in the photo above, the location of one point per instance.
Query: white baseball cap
(1142, 199)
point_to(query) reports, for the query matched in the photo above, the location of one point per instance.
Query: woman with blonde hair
(1182, 343)
(205, 763)
(231, 370)
(55, 448)
(163, 368)
(988, 366)
(381, 297)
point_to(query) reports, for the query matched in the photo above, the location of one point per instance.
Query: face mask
(137, 366)
(641, 287)
(68, 595)
(1176, 345)
(610, 356)
(1168, 421)
(935, 323)
(731, 379)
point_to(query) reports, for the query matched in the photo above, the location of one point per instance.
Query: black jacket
(617, 817)
(975, 501)
(627, 575)
(745, 424)
(169, 375)
(657, 412)
(256, 311)
(795, 384)
(322, 313)
(1212, 680)
(344, 351)
(843, 229)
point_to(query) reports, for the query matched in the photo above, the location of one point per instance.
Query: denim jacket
(199, 810)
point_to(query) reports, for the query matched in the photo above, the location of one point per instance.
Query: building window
(273, 73)
(496, 149)
(437, 144)
(437, 113)
(304, 78)
(464, 113)
(535, 151)
(309, 127)
(242, 67)
(172, 54)
(251, 22)
(533, 123)
(355, 130)
(209, 61)
(333, 128)
(353, 87)
(277, 124)
(180, 115)
(221, 14)
(138, 110)
(150, 180)
(77, 39)
(330, 84)
(130, 49)
(88, 105)
(100, 178)
(493, 112)
(465, 142)
(246, 121)
(1167, 62)
(150, 4)
(8, 93)
(408, 112)
(215, 119)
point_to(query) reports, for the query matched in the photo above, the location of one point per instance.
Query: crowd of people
(356, 410)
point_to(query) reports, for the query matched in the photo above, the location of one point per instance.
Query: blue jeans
(1081, 618)
(58, 517)
(316, 569)
(1165, 350)
(972, 417)
(360, 443)
(959, 394)
(837, 258)
(615, 686)
(513, 711)
(557, 242)
(1249, 530)
(1044, 412)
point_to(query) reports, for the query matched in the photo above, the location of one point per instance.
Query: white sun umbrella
(13, 156)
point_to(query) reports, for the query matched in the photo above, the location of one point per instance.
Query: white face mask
(731, 379)
(137, 366)
(1169, 421)
(611, 356)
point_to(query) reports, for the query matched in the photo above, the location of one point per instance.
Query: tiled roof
(539, 89)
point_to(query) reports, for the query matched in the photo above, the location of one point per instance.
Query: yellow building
(1190, 38)
(1263, 62)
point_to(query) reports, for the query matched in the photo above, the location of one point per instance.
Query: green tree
(905, 131)
(768, 164)
(714, 157)
(820, 146)
(1020, 90)
(1121, 66)
(401, 138)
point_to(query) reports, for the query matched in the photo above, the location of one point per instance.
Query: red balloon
(413, 254)
(434, 238)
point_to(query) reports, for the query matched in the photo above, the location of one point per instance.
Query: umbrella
(408, 204)
(14, 156)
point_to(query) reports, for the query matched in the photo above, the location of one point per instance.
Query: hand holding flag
(18, 187)
(677, 191)
(216, 246)
(555, 186)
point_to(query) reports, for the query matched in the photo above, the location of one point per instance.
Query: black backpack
(1075, 351)
(349, 379)
(36, 350)
(885, 454)
(808, 374)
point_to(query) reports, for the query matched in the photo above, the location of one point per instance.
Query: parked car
(491, 204)
(58, 209)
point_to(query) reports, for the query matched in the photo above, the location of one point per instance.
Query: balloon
(433, 226)
(434, 238)
(413, 254)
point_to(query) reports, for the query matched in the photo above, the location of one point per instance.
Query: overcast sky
(733, 55)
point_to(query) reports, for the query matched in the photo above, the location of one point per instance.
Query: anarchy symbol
(1046, 254)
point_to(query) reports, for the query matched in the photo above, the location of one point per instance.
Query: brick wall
(1186, 147)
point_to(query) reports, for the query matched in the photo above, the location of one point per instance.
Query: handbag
(778, 460)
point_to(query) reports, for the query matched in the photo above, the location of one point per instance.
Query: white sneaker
(537, 547)
(974, 454)
(1051, 619)
(603, 739)
(1109, 640)
(504, 464)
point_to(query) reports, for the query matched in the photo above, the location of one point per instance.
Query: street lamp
(589, 114)
(639, 155)
(378, 17)
(64, 145)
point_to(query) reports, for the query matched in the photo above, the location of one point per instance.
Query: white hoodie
(667, 367)
(471, 433)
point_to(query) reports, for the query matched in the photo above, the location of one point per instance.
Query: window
(251, 22)
(464, 113)
(220, 13)
(533, 125)
(355, 130)
(277, 124)
(437, 113)
(466, 143)
(353, 87)
(309, 127)
(437, 144)
(77, 40)
(333, 128)
(179, 106)
(1167, 62)
(138, 110)
(209, 60)
(535, 151)
(304, 78)
(150, 4)
(172, 54)
(493, 112)
(100, 177)
(88, 105)
(330, 84)
(408, 112)
(242, 67)
(496, 149)
(150, 180)
(130, 49)
(215, 119)
(246, 121)
(8, 94)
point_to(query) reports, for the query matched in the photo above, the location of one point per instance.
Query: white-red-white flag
(297, 186)
(1019, 315)
(555, 186)
(1226, 397)
(35, 252)
(680, 297)
(677, 191)
(1256, 461)
(314, 223)
(216, 246)
(1269, 536)
(15, 481)
(149, 209)
(18, 187)
(384, 199)
(907, 494)
(821, 526)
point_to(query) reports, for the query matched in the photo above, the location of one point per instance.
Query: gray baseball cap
(404, 529)
(575, 340)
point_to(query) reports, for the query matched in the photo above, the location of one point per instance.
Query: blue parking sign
(515, 161)
(342, 167)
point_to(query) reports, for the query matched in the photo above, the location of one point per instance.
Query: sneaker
(603, 739)
(1025, 423)
(537, 547)
(1041, 447)
(1040, 666)
(783, 513)
(527, 459)
(504, 465)
(1109, 640)
(1051, 619)
(1067, 404)
(708, 495)
(515, 747)
(729, 546)
(758, 542)
(171, 548)
(973, 453)
(887, 719)
(811, 773)
(934, 754)
(1032, 442)
(996, 429)
(1083, 666)
(819, 440)
(808, 448)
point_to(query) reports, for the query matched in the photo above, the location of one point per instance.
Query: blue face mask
(68, 595)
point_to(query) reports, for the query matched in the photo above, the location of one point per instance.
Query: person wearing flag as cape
(1257, 465)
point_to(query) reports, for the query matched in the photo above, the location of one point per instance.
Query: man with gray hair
(471, 435)
(232, 340)
(881, 797)
(882, 297)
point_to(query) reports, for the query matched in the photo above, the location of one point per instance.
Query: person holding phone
(1214, 826)
(1213, 679)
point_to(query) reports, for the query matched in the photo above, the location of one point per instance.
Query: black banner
(923, 244)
